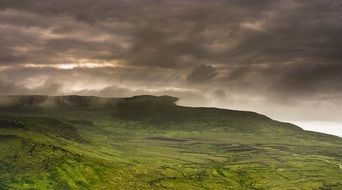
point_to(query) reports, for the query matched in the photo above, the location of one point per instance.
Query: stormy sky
(282, 58)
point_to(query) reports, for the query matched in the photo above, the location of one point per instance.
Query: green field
(148, 142)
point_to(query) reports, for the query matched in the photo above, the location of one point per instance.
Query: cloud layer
(270, 56)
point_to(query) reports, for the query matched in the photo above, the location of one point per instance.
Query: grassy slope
(149, 143)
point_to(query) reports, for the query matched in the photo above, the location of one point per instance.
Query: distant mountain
(149, 142)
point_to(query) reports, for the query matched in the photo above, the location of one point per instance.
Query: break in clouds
(281, 58)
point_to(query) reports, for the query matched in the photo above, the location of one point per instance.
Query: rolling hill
(149, 142)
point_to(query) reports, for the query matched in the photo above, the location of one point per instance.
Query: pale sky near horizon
(279, 58)
(332, 128)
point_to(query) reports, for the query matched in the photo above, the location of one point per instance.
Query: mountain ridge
(44, 101)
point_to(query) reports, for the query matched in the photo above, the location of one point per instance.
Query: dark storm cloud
(312, 77)
(268, 49)
(202, 73)
(160, 33)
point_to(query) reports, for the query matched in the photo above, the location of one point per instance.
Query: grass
(149, 143)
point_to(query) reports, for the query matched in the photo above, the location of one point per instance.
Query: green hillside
(148, 142)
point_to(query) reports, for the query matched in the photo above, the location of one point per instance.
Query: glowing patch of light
(65, 66)
(68, 66)
(258, 25)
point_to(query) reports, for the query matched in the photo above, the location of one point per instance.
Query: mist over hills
(75, 100)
